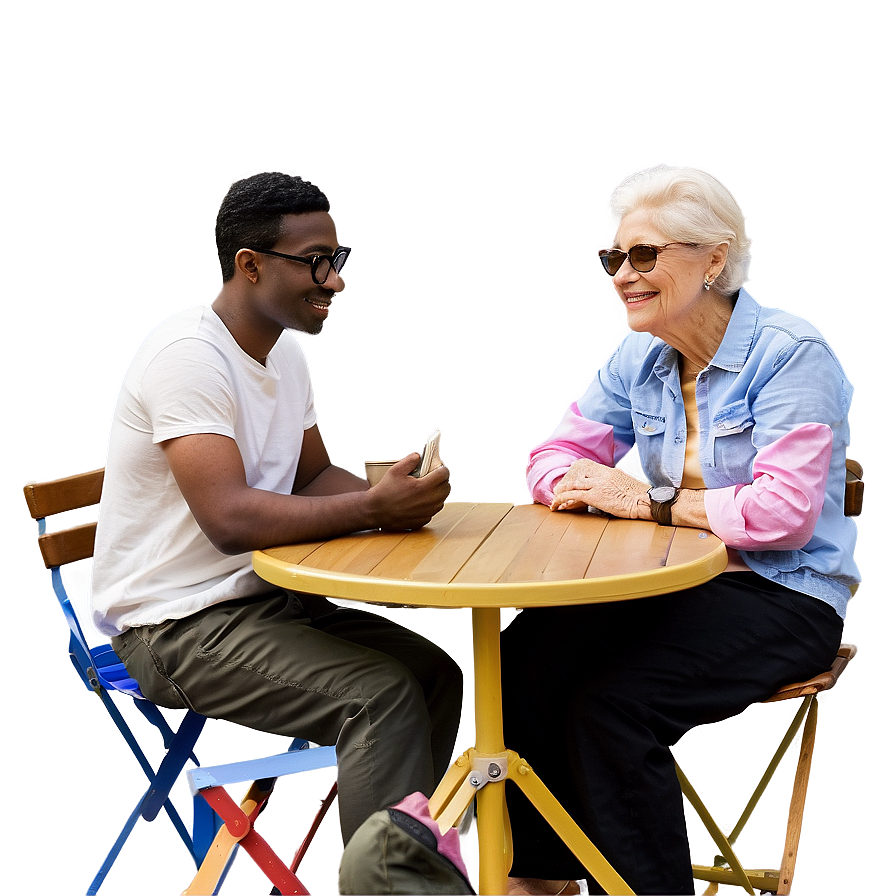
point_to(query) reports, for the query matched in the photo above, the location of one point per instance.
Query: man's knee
(390, 683)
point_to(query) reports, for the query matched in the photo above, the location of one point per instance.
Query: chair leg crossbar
(207, 784)
(180, 748)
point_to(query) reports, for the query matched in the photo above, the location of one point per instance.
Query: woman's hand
(607, 489)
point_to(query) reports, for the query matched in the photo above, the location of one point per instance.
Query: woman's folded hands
(607, 489)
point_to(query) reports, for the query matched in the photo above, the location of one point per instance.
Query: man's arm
(235, 517)
(316, 475)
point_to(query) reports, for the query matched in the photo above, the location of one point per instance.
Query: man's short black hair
(253, 209)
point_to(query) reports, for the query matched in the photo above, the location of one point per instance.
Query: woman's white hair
(690, 206)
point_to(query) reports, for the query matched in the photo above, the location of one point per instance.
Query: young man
(214, 453)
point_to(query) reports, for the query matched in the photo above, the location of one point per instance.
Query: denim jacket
(772, 373)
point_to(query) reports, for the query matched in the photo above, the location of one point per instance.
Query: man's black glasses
(642, 257)
(321, 265)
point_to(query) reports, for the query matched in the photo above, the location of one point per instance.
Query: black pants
(595, 695)
(296, 664)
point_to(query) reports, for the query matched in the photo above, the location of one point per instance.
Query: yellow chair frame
(727, 868)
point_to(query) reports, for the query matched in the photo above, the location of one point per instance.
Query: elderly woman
(739, 414)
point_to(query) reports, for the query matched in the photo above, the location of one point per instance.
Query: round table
(489, 556)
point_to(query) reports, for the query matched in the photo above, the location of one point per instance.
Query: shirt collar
(736, 343)
(739, 335)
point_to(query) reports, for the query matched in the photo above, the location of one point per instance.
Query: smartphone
(430, 459)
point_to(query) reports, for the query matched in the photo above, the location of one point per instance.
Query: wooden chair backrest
(61, 495)
(855, 488)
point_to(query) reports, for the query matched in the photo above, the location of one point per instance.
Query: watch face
(661, 493)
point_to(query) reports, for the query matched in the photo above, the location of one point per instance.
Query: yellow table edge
(413, 592)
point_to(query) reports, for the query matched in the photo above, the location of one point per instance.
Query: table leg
(562, 822)
(482, 771)
(494, 839)
(487, 680)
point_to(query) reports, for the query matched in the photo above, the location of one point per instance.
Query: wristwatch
(662, 497)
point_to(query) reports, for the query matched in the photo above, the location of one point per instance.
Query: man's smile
(321, 305)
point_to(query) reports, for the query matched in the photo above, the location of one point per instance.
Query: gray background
(468, 151)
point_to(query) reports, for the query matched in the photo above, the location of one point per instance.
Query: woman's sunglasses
(641, 257)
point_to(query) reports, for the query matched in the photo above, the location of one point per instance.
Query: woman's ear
(717, 261)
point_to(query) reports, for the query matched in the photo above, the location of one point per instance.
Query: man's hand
(606, 488)
(401, 501)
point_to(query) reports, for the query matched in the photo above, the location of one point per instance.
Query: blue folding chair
(101, 671)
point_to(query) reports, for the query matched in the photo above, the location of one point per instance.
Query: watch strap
(661, 511)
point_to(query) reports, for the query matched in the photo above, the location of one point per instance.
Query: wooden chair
(727, 868)
(211, 844)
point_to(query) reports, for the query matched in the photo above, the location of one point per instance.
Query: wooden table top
(500, 555)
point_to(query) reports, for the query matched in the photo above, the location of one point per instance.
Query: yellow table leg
(490, 822)
(471, 776)
(457, 805)
(487, 680)
(571, 834)
(490, 741)
(442, 802)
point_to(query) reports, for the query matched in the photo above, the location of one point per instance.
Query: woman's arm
(795, 416)
(575, 438)
(799, 431)
(776, 506)
(779, 509)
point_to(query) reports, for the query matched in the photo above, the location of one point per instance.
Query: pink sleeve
(575, 438)
(778, 510)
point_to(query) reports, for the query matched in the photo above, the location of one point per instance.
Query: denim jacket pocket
(731, 446)
(648, 424)
(732, 419)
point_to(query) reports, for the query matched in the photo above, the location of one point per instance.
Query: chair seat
(111, 671)
(824, 681)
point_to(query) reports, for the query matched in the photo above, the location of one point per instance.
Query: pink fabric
(778, 510)
(575, 438)
(448, 844)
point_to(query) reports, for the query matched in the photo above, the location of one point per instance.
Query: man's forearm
(262, 519)
(333, 480)
(320, 511)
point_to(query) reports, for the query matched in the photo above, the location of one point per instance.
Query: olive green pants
(298, 665)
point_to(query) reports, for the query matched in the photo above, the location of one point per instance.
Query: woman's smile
(632, 298)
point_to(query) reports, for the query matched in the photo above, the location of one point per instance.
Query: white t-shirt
(152, 561)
